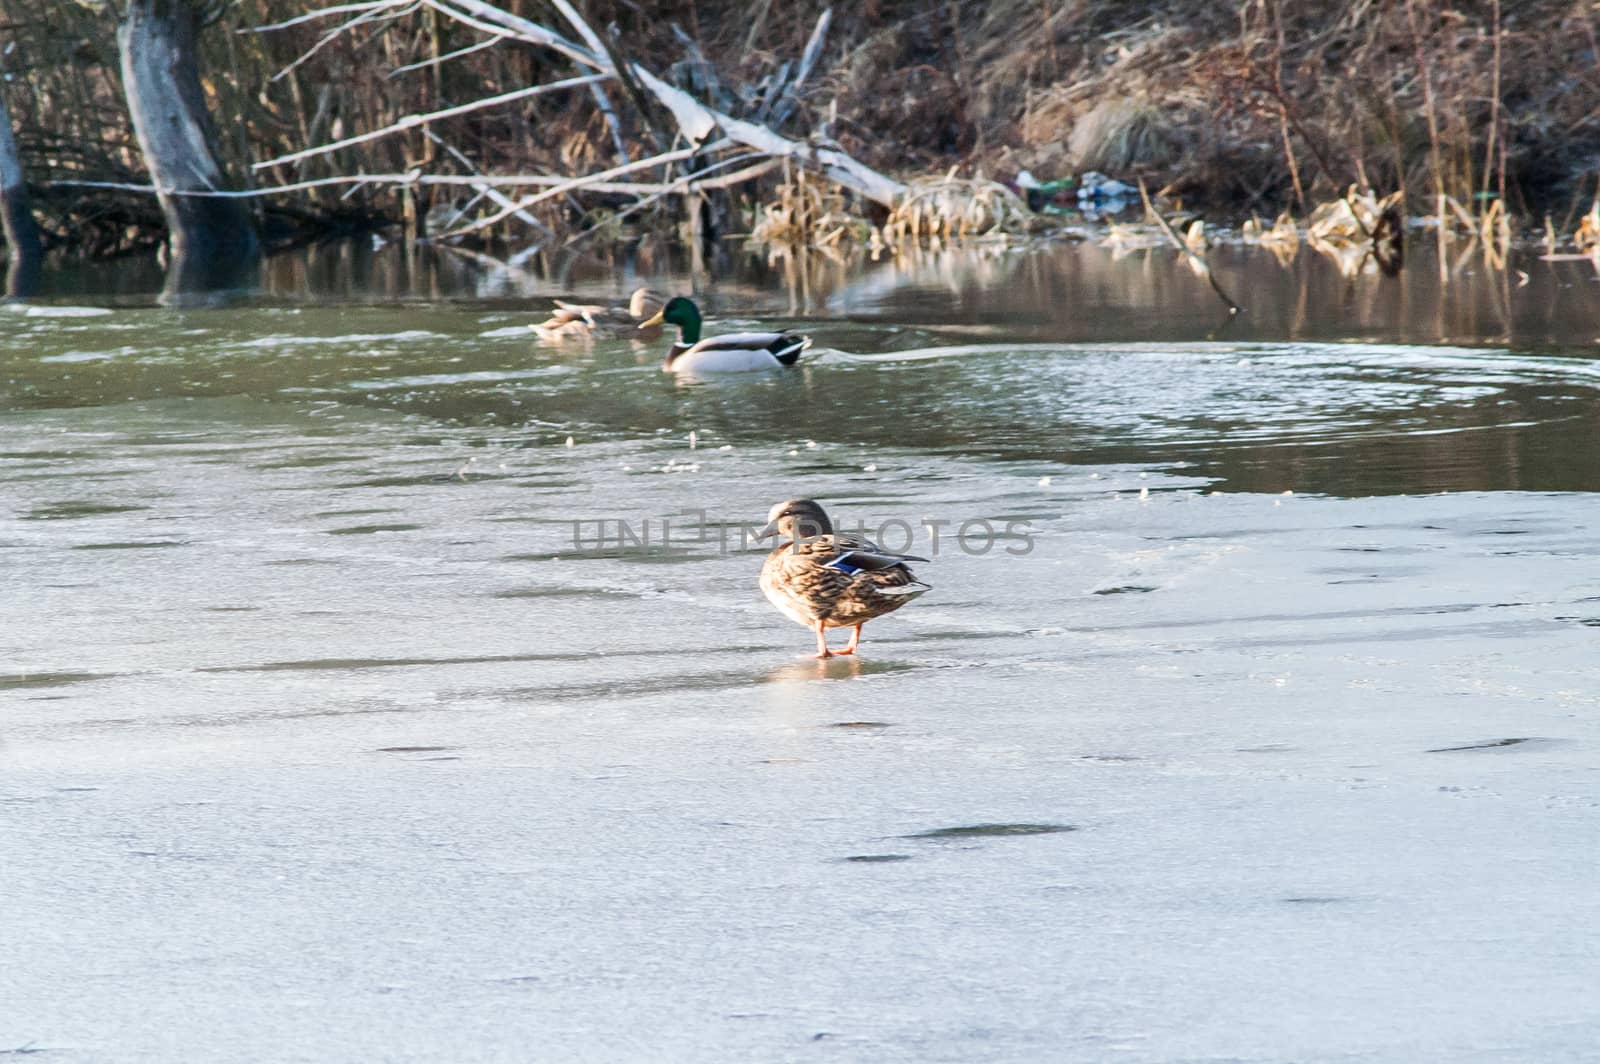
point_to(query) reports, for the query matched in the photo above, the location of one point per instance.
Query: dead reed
(955, 208)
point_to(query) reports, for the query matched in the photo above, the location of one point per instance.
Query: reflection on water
(1065, 353)
(1060, 291)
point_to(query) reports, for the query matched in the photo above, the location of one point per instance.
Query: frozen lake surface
(331, 733)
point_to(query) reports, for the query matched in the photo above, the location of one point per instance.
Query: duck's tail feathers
(906, 591)
(787, 347)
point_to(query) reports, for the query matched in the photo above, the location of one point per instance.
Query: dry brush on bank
(1248, 106)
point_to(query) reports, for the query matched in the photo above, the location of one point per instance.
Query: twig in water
(472, 460)
(1200, 263)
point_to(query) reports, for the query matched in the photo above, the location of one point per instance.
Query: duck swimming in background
(730, 353)
(823, 579)
(578, 319)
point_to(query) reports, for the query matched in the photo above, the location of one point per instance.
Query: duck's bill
(657, 319)
(767, 532)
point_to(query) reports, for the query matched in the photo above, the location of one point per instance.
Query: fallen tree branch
(705, 74)
(489, 192)
(698, 122)
(583, 182)
(1195, 257)
(704, 127)
(413, 178)
(691, 182)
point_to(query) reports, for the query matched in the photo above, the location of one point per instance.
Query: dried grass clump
(1282, 238)
(809, 212)
(1120, 135)
(1587, 238)
(1357, 229)
(1125, 237)
(1351, 219)
(952, 207)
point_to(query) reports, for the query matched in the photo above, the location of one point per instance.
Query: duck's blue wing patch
(855, 561)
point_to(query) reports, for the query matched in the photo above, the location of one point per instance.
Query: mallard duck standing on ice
(729, 353)
(823, 579)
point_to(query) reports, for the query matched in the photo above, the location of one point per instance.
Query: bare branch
(787, 100)
(458, 53)
(600, 98)
(623, 69)
(334, 34)
(705, 128)
(697, 121)
(324, 13)
(717, 93)
(689, 181)
(587, 182)
(631, 188)
(738, 177)
(1195, 257)
(693, 118)
(488, 191)
(479, 13)
(412, 121)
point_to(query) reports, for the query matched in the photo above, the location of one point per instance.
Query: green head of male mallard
(729, 353)
(824, 579)
(682, 313)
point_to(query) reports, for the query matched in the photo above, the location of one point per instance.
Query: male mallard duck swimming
(723, 354)
(1041, 195)
(823, 579)
(577, 319)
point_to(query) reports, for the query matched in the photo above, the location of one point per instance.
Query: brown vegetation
(1249, 106)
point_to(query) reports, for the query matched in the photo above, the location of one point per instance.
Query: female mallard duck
(723, 354)
(577, 319)
(823, 579)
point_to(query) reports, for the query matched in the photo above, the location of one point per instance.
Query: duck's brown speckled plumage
(599, 319)
(831, 580)
(799, 581)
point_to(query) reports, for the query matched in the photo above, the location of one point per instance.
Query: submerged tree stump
(158, 42)
(24, 250)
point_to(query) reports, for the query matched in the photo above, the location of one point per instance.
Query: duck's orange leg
(855, 638)
(822, 642)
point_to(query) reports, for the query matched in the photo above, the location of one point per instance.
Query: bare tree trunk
(158, 40)
(23, 249)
